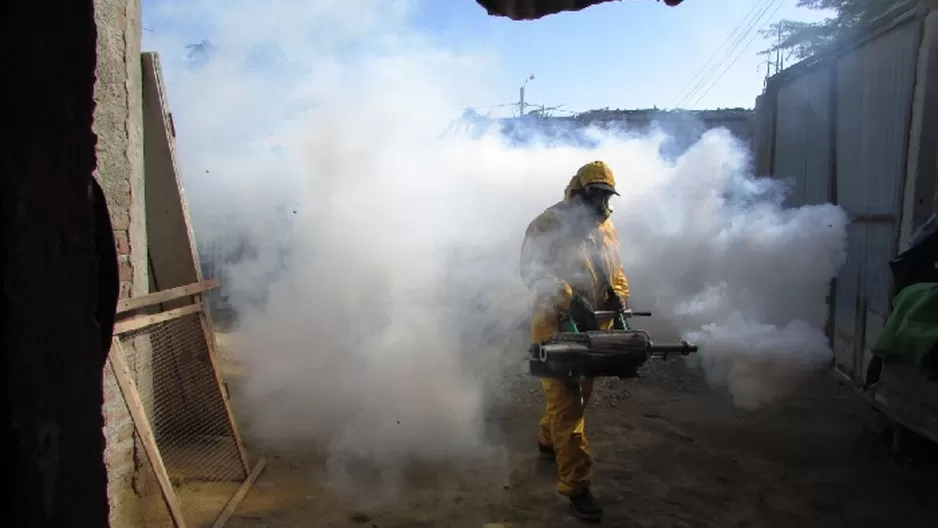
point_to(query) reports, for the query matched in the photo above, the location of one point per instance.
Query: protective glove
(617, 303)
(582, 313)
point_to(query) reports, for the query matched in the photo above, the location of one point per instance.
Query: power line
(703, 71)
(767, 4)
(697, 77)
(716, 81)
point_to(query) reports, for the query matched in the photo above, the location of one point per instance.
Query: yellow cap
(598, 174)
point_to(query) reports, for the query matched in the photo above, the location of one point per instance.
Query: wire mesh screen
(180, 393)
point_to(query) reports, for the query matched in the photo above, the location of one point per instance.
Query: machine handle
(609, 314)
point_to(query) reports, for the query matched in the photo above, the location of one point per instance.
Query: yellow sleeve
(536, 261)
(620, 284)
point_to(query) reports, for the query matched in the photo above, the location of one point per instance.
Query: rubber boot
(586, 507)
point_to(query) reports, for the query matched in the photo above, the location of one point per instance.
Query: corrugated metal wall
(802, 147)
(764, 124)
(841, 130)
(874, 86)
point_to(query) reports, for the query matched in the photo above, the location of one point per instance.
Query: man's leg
(545, 443)
(586, 391)
(574, 462)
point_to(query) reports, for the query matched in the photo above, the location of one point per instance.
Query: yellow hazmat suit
(555, 262)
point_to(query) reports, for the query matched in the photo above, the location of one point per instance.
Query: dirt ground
(670, 452)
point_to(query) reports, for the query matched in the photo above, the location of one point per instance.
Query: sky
(628, 54)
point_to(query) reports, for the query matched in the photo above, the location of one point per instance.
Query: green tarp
(910, 335)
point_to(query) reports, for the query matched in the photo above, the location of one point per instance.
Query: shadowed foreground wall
(52, 379)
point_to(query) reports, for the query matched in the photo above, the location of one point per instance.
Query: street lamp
(521, 93)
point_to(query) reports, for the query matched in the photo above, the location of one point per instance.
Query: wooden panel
(172, 294)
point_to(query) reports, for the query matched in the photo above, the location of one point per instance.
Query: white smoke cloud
(382, 297)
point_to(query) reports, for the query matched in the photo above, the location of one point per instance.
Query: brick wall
(118, 123)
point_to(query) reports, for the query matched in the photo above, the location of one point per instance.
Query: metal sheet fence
(840, 133)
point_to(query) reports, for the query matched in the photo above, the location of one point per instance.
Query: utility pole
(521, 95)
(768, 71)
(779, 61)
(778, 50)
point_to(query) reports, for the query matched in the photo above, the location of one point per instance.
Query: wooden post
(239, 495)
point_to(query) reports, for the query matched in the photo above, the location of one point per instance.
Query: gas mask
(596, 200)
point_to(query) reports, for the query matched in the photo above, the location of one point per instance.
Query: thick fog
(386, 252)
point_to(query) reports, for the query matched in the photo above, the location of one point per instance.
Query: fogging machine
(619, 352)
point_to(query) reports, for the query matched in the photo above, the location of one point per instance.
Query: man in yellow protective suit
(570, 260)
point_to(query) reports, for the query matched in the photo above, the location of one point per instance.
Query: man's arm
(536, 258)
(620, 284)
(618, 280)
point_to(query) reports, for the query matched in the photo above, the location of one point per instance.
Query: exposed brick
(115, 416)
(118, 423)
(125, 431)
(125, 268)
(114, 409)
(122, 240)
(120, 162)
(116, 490)
(115, 413)
(120, 218)
(111, 392)
(118, 192)
(120, 460)
(111, 389)
(126, 290)
(119, 434)
(119, 487)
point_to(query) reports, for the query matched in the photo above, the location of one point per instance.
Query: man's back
(564, 247)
